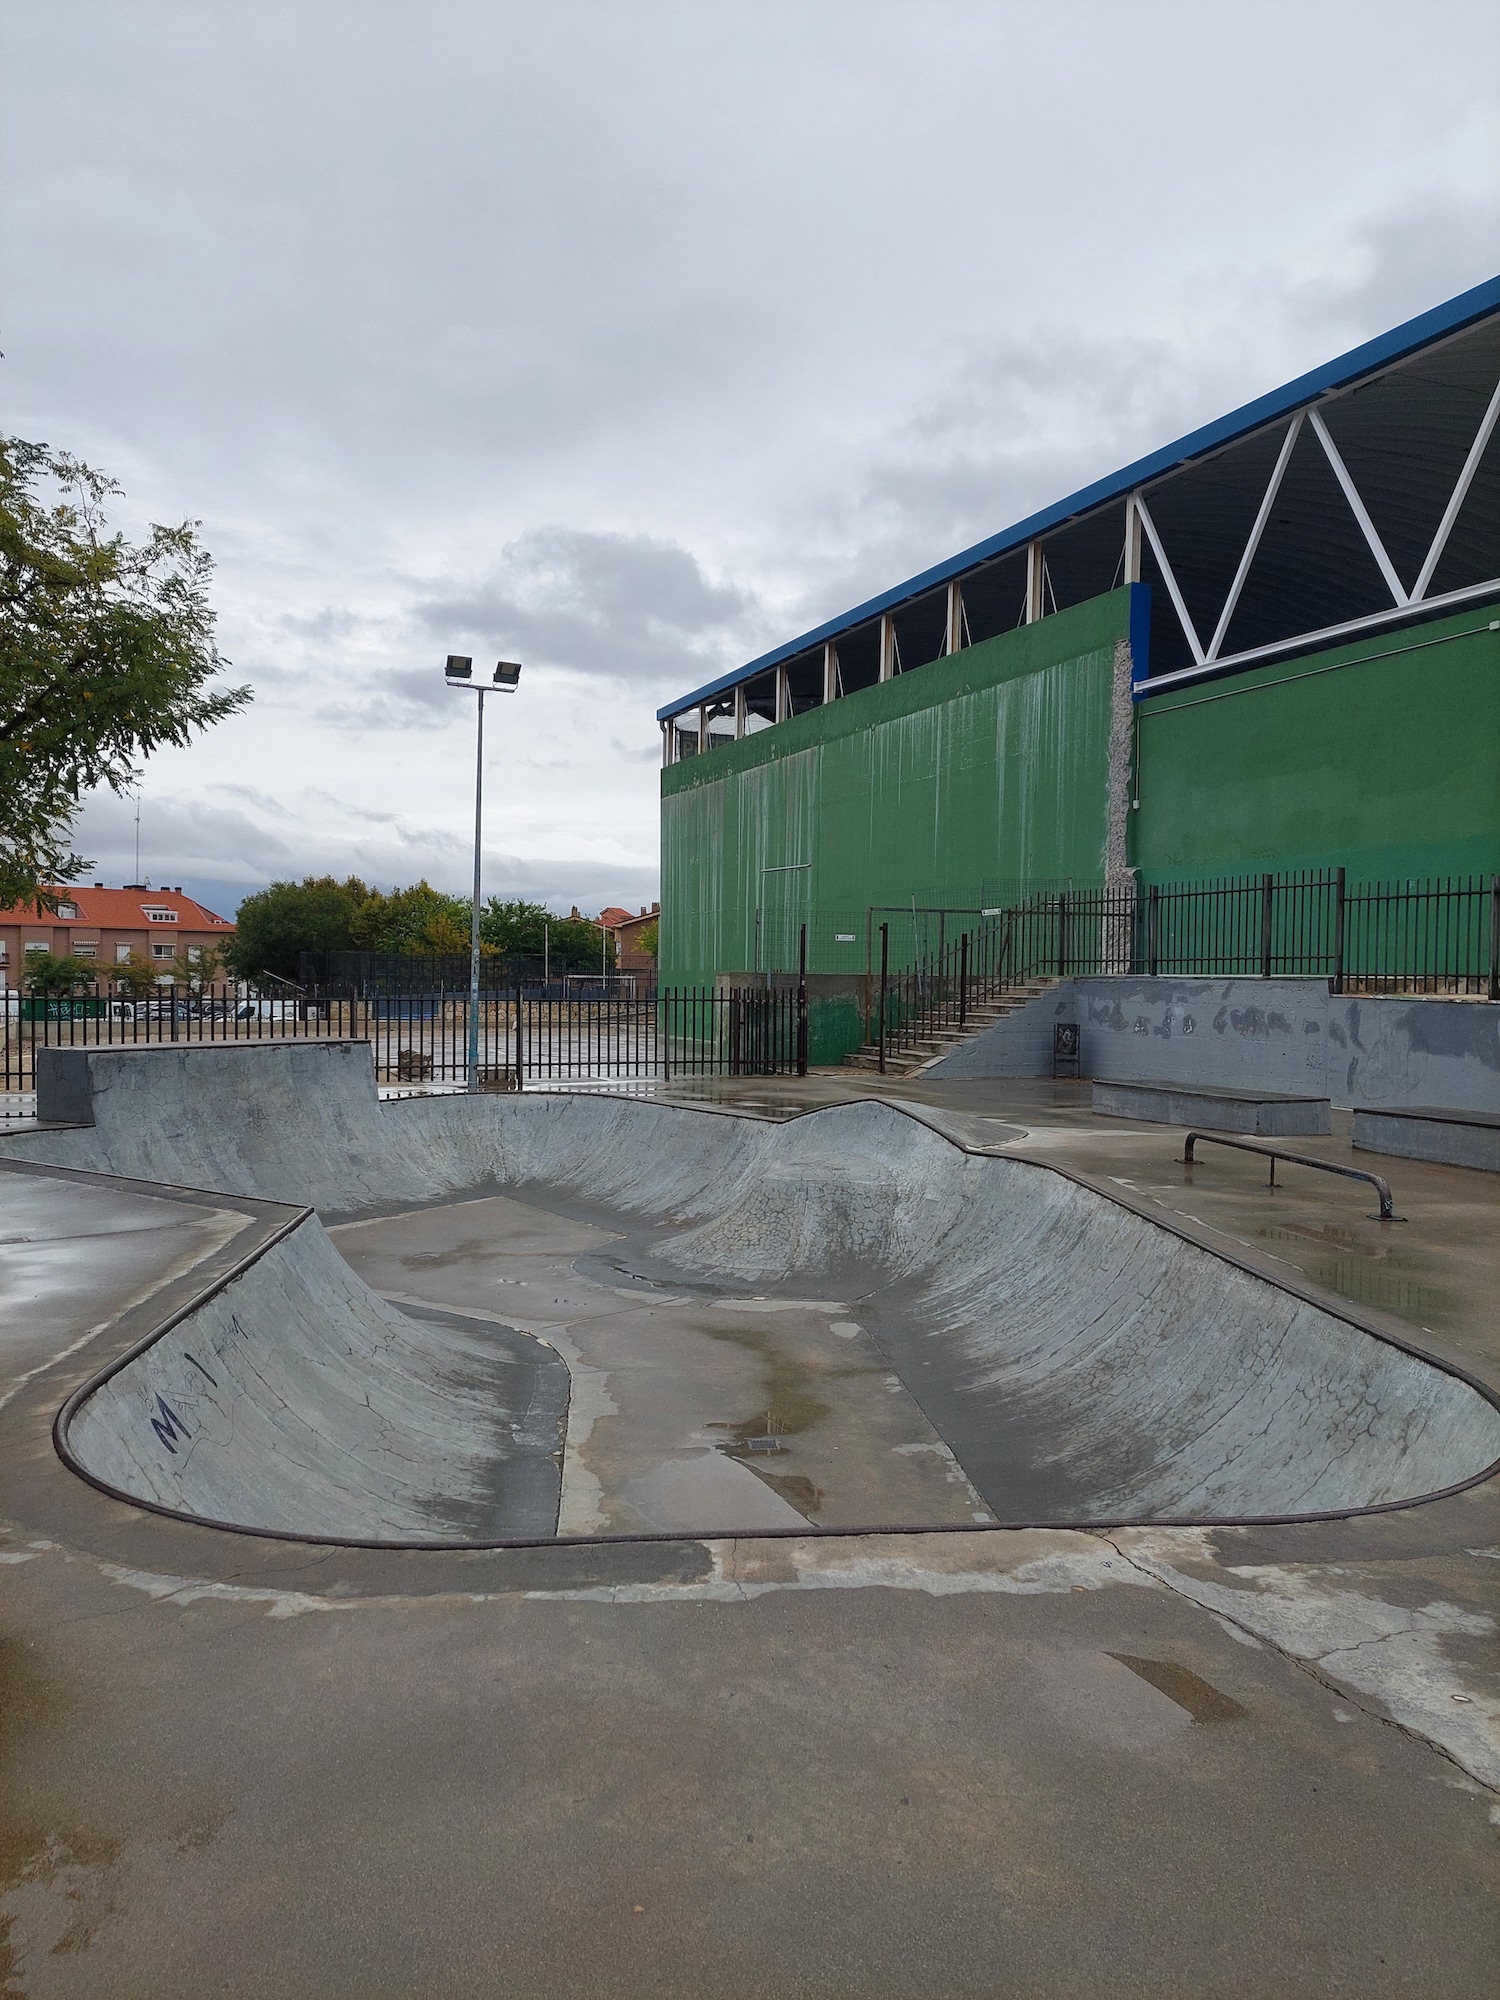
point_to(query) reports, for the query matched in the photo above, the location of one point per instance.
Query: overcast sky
(629, 337)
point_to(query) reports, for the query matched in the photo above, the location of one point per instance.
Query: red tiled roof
(121, 910)
(614, 915)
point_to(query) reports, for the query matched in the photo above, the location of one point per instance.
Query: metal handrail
(1275, 1153)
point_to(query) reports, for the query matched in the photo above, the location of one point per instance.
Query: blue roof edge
(1408, 338)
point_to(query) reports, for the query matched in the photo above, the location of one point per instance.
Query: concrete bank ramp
(1082, 1362)
(298, 1401)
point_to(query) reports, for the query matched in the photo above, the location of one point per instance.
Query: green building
(1271, 647)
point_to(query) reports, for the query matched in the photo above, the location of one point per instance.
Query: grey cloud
(394, 698)
(622, 606)
(1406, 259)
(222, 854)
(1012, 425)
(757, 360)
(606, 605)
(331, 623)
(262, 801)
(178, 835)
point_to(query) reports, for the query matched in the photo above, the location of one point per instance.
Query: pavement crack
(1311, 1667)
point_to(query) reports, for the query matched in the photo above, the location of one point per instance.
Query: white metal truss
(1357, 507)
(1451, 600)
(1457, 497)
(1273, 487)
(1189, 629)
(1040, 597)
(1211, 659)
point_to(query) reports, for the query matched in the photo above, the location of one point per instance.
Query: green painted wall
(991, 764)
(993, 767)
(1383, 756)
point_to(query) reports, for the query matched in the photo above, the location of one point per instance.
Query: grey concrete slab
(296, 1399)
(1062, 1786)
(671, 1381)
(1456, 1139)
(1265, 1115)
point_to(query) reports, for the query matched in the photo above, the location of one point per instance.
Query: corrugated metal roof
(1366, 359)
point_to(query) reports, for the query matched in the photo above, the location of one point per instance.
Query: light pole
(459, 673)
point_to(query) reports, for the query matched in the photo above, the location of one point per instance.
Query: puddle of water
(1203, 1702)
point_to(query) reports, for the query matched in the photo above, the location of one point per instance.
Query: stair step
(939, 1042)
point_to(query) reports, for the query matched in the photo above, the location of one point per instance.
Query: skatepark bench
(1268, 1114)
(1429, 1132)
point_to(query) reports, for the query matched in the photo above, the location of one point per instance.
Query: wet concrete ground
(692, 1410)
(1252, 1761)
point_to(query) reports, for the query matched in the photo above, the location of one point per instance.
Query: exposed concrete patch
(198, 1590)
(1389, 1652)
(1029, 1562)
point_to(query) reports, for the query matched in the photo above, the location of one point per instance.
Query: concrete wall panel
(1288, 1035)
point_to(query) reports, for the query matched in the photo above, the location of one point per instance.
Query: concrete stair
(936, 1043)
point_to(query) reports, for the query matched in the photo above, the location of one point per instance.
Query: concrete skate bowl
(525, 1318)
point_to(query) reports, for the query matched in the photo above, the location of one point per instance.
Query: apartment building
(109, 926)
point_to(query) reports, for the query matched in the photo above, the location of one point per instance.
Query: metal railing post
(520, 1039)
(885, 959)
(1495, 937)
(963, 979)
(1267, 890)
(802, 1003)
(1062, 934)
(1338, 932)
(1153, 928)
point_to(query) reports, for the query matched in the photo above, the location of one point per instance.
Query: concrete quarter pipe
(937, 1338)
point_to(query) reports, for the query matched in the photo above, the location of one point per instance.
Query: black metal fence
(1437, 936)
(946, 987)
(369, 975)
(524, 1038)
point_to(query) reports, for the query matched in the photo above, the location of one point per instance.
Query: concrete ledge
(1265, 1116)
(68, 1078)
(1427, 1132)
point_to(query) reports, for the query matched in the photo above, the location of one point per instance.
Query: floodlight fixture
(507, 674)
(459, 668)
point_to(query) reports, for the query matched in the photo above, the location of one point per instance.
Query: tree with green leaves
(106, 654)
(419, 922)
(274, 926)
(197, 966)
(518, 929)
(136, 977)
(52, 978)
(513, 927)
